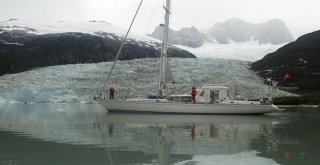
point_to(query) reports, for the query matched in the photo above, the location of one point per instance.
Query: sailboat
(210, 99)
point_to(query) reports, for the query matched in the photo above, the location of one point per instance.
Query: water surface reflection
(86, 134)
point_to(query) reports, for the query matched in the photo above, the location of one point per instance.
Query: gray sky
(301, 16)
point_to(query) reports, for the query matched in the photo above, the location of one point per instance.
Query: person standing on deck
(111, 93)
(193, 94)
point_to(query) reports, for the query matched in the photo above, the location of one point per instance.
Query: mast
(163, 59)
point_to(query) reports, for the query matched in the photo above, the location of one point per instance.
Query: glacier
(78, 83)
(245, 51)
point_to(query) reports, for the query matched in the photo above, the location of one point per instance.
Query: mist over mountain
(24, 47)
(190, 37)
(233, 30)
(300, 59)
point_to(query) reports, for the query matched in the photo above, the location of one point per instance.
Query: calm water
(34, 134)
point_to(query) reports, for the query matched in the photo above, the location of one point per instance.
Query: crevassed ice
(78, 83)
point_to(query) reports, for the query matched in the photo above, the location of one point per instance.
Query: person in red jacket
(111, 93)
(193, 94)
(286, 77)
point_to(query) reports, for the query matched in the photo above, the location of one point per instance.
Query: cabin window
(214, 94)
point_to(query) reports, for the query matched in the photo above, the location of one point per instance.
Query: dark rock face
(301, 59)
(21, 51)
(274, 32)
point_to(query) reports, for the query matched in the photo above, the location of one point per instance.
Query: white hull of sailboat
(185, 108)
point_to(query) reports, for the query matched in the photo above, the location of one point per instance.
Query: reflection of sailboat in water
(164, 146)
(136, 138)
(210, 99)
(184, 135)
(105, 147)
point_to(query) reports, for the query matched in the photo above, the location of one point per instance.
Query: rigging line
(155, 9)
(121, 46)
(105, 146)
(232, 28)
(178, 90)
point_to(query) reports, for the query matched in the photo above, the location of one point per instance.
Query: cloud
(41, 9)
(300, 15)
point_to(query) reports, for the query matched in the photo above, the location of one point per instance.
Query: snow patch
(90, 27)
(8, 43)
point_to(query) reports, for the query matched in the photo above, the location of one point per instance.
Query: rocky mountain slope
(233, 30)
(24, 47)
(190, 37)
(299, 59)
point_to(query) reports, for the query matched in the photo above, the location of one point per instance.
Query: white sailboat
(210, 99)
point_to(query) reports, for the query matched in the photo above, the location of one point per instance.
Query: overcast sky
(301, 16)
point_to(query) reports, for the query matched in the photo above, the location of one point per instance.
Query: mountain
(299, 59)
(23, 47)
(190, 37)
(273, 31)
(233, 30)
